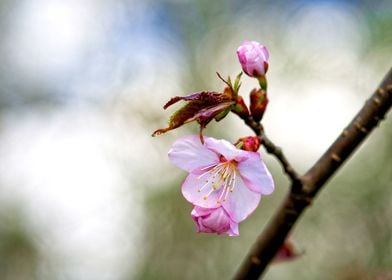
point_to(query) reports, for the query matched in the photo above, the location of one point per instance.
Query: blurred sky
(82, 84)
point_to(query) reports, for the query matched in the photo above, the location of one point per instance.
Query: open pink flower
(253, 58)
(214, 220)
(220, 175)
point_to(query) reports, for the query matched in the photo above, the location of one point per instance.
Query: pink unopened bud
(250, 143)
(214, 220)
(253, 58)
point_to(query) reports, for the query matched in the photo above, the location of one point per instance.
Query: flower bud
(240, 108)
(250, 143)
(258, 103)
(253, 58)
(214, 220)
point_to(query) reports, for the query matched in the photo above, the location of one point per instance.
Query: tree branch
(271, 148)
(272, 238)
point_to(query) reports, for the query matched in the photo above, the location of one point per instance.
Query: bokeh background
(87, 193)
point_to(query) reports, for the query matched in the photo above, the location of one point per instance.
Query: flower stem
(263, 82)
(271, 148)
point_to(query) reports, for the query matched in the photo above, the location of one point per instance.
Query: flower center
(221, 179)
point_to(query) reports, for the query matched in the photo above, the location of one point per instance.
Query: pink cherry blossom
(214, 220)
(253, 58)
(221, 176)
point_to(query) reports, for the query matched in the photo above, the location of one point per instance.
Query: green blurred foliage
(19, 254)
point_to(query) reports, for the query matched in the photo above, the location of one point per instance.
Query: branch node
(255, 260)
(381, 91)
(336, 158)
(289, 169)
(303, 198)
(358, 125)
(376, 100)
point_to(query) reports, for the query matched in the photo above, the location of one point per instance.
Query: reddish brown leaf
(201, 107)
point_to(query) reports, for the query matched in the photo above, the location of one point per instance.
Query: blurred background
(87, 193)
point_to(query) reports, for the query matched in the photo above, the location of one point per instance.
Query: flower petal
(265, 52)
(189, 154)
(256, 175)
(200, 211)
(215, 220)
(218, 221)
(234, 231)
(191, 187)
(241, 202)
(226, 149)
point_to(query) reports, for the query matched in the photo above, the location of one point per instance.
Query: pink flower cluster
(224, 184)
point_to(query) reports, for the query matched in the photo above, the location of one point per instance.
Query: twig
(271, 148)
(272, 238)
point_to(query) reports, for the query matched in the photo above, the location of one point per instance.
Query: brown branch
(271, 148)
(272, 238)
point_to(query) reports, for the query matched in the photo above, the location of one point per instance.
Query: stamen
(210, 171)
(204, 168)
(208, 194)
(232, 185)
(226, 173)
(227, 186)
(199, 190)
(227, 178)
(221, 195)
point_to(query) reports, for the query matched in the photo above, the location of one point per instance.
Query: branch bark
(306, 187)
